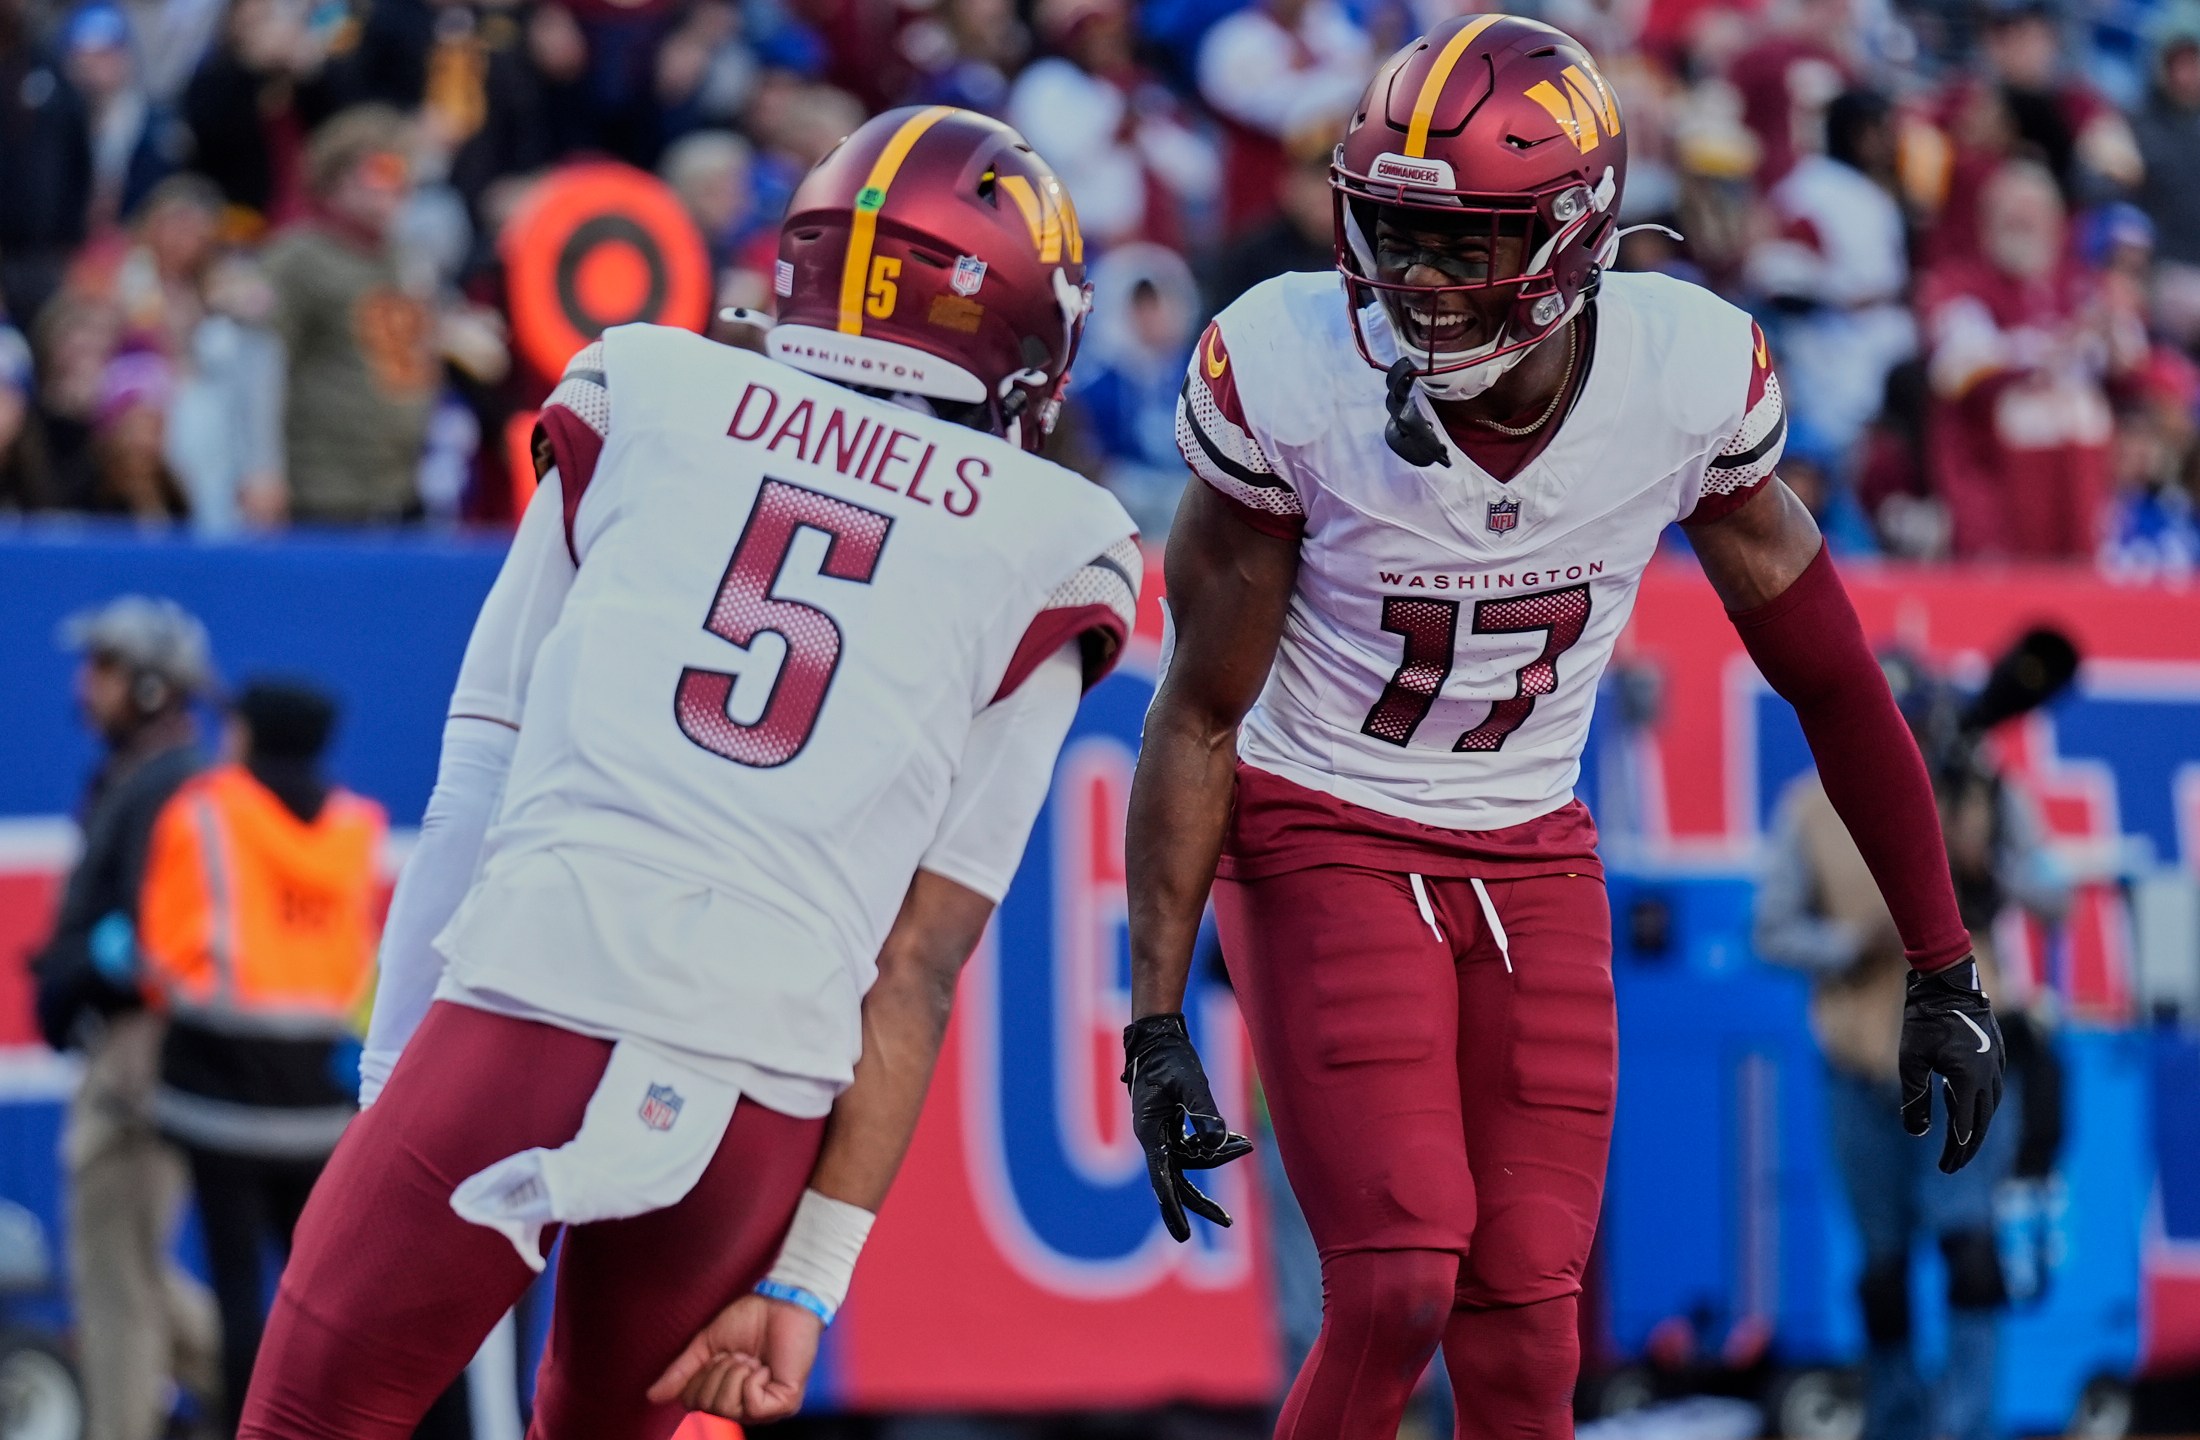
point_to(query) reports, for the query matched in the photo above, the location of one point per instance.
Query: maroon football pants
(1443, 1113)
(388, 1292)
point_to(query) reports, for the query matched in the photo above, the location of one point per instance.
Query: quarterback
(745, 747)
(1424, 515)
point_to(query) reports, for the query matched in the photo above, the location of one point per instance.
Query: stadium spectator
(128, 472)
(2154, 531)
(1787, 77)
(45, 166)
(1119, 140)
(71, 344)
(2055, 113)
(710, 170)
(1817, 912)
(135, 143)
(1891, 484)
(966, 55)
(2020, 350)
(152, 273)
(26, 483)
(2168, 129)
(1839, 266)
(794, 123)
(1267, 71)
(1302, 234)
(535, 107)
(360, 349)
(256, 96)
(140, 1319)
(1129, 370)
(168, 39)
(225, 425)
(258, 934)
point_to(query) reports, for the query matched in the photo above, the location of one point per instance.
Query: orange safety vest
(254, 921)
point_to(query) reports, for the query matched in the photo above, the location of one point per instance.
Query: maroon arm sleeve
(1810, 647)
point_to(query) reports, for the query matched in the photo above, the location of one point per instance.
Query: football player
(1423, 518)
(744, 749)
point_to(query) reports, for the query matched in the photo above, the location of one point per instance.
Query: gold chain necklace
(1565, 381)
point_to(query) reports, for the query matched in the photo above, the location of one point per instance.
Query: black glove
(1173, 1115)
(1948, 1030)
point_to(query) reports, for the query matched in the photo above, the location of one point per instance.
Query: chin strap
(1409, 432)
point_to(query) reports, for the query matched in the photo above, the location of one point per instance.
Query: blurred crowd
(251, 272)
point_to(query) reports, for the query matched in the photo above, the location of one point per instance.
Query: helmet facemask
(1499, 255)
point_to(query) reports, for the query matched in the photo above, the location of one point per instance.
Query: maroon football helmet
(934, 253)
(1491, 126)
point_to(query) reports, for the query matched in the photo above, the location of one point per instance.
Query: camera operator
(1818, 912)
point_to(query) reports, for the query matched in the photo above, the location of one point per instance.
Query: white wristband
(819, 1253)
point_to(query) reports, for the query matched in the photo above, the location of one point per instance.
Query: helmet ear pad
(149, 693)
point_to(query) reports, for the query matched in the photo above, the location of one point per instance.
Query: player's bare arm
(1229, 587)
(904, 1023)
(1754, 554)
(1767, 562)
(753, 1362)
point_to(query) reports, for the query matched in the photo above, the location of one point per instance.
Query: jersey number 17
(1431, 632)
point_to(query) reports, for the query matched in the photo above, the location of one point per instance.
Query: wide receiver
(1424, 516)
(745, 747)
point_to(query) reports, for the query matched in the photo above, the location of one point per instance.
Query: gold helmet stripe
(1432, 87)
(863, 230)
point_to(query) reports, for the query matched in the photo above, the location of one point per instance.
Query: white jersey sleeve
(1222, 445)
(522, 607)
(1097, 607)
(478, 739)
(574, 425)
(1007, 765)
(1744, 464)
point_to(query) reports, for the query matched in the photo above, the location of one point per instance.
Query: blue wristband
(796, 1295)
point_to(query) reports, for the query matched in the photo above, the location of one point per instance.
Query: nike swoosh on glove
(1948, 1030)
(1173, 1114)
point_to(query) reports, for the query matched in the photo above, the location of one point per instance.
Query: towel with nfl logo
(651, 1128)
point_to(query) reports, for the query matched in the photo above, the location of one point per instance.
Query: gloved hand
(1948, 1030)
(1173, 1114)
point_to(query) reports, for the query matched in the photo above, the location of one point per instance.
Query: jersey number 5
(746, 608)
(1431, 632)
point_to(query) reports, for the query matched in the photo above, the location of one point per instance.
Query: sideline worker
(140, 1320)
(259, 934)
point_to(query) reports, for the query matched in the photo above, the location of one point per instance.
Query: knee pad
(1974, 1270)
(1402, 1296)
(1884, 1293)
(1531, 1251)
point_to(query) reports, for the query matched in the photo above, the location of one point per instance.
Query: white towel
(652, 1126)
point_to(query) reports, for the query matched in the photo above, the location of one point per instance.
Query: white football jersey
(791, 603)
(1442, 650)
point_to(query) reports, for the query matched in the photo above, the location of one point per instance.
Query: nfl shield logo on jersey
(1504, 515)
(969, 275)
(661, 1107)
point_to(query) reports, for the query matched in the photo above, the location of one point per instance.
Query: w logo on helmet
(1585, 109)
(1050, 216)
